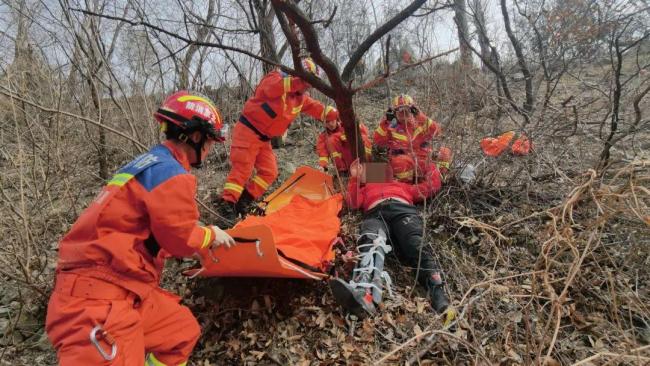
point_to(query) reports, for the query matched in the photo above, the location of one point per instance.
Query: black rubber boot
(355, 301)
(437, 296)
(244, 204)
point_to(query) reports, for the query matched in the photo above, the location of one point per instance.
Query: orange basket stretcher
(294, 238)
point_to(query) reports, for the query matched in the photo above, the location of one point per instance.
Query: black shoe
(439, 301)
(245, 203)
(351, 299)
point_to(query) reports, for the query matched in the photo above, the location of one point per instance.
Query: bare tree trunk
(95, 66)
(265, 15)
(460, 10)
(339, 88)
(523, 65)
(483, 41)
(202, 34)
(92, 56)
(102, 154)
(617, 66)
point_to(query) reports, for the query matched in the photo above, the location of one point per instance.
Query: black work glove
(380, 153)
(414, 110)
(390, 114)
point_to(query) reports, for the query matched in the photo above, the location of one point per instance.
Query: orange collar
(179, 155)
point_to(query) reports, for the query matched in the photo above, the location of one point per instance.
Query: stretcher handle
(257, 243)
(237, 239)
(244, 240)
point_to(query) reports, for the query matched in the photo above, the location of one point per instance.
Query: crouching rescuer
(107, 306)
(390, 222)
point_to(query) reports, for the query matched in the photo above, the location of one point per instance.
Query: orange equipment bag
(521, 146)
(492, 146)
(294, 239)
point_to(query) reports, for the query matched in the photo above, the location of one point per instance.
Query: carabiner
(103, 335)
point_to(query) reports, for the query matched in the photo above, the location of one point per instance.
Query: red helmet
(191, 112)
(310, 66)
(402, 100)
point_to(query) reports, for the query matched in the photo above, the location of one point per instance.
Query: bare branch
(11, 95)
(378, 80)
(293, 12)
(188, 40)
(376, 35)
(528, 78)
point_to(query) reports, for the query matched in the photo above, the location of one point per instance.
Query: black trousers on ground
(402, 225)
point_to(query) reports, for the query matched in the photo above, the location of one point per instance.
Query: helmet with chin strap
(184, 113)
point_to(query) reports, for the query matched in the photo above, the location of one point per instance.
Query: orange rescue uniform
(333, 144)
(111, 261)
(412, 139)
(278, 100)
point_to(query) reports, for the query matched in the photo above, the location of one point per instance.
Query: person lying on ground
(390, 221)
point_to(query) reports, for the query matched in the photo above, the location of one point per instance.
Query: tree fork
(340, 88)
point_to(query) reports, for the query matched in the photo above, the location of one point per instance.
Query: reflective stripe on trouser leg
(153, 361)
(266, 171)
(243, 154)
(233, 189)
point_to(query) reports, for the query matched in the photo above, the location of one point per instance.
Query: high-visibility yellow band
(323, 159)
(187, 98)
(296, 110)
(380, 131)
(418, 131)
(443, 164)
(406, 174)
(207, 238)
(233, 187)
(336, 154)
(260, 182)
(287, 87)
(120, 179)
(343, 137)
(399, 136)
(287, 83)
(368, 150)
(153, 361)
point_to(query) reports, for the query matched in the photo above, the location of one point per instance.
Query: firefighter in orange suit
(333, 144)
(278, 100)
(406, 130)
(107, 306)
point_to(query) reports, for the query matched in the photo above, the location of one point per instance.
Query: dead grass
(546, 260)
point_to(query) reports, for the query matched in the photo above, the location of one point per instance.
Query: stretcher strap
(299, 263)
